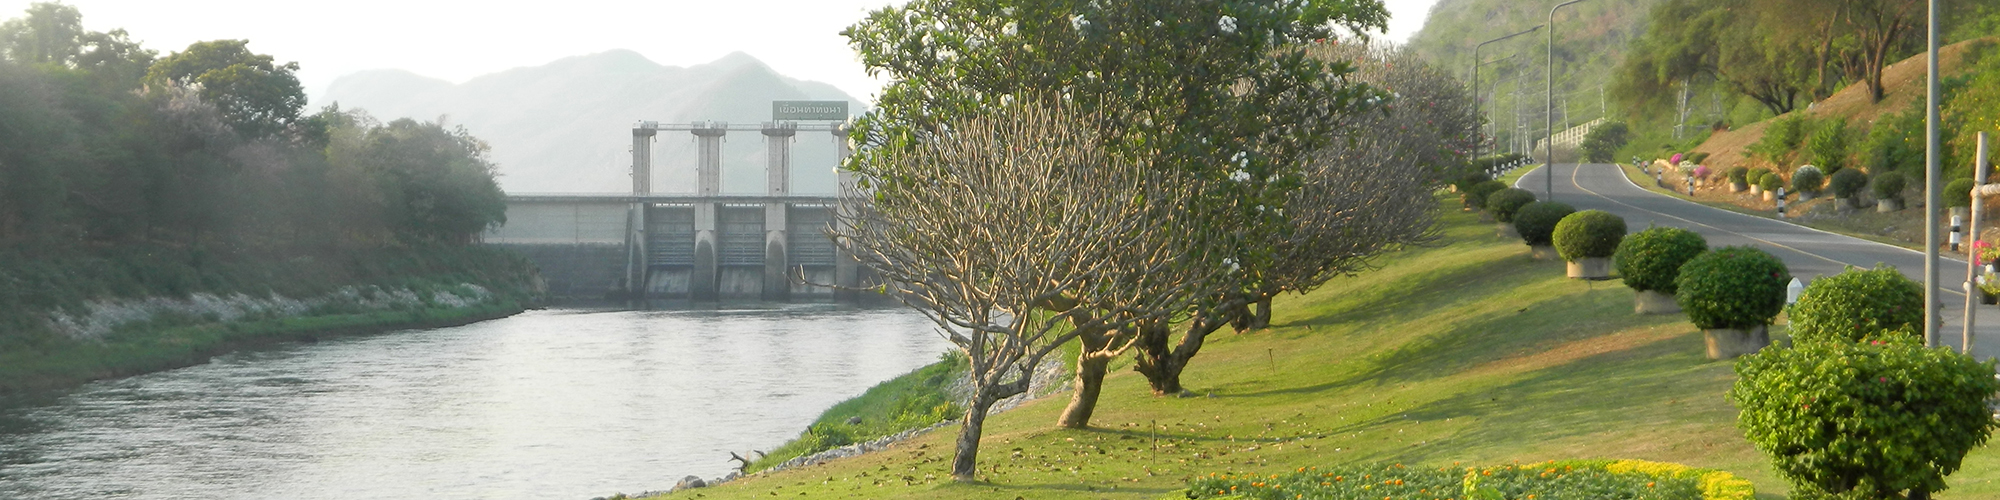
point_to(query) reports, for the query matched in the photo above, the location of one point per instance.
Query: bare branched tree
(997, 227)
(1369, 192)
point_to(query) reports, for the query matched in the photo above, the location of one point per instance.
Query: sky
(459, 40)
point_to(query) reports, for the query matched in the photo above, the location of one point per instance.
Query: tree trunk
(965, 463)
(1262, 319)
(1162, 366)
(1090, 370)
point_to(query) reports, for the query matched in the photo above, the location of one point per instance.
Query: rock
(853, 420)
(690, 482)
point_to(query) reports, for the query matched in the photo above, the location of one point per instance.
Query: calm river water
(555, 404)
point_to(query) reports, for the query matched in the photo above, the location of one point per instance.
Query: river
(546, 405)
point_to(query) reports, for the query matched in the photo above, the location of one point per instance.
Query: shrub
(1856, 305)
(1466, 183)
(1739, 175)
(1537, 221)
(1588, 234)
(1506, 202)
(1847, 182)
(1603, 141)
(1476, 197)
(1651, 259)
(1808, 179)
(1855, 420)
(1771, 181)
(1829, 145)
(1732, 287)
(1698, 158)
(1888, 185)
(1780, 139)
(1958, 193)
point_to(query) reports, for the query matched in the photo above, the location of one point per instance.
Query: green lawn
(1467, 353)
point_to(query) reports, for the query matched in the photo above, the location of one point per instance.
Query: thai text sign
(809, 110)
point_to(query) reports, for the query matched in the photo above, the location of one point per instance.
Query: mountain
(1591, 39)
(565, 126)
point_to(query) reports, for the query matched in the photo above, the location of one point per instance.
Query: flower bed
(1579, 479)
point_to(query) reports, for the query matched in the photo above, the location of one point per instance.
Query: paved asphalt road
(1808, 252)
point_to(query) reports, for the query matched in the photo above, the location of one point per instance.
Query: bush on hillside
(1771, 181)
(1864, 420)
(1588, 234)
(1896, 142)
(1739, 175)
(1857, 305)
(1889, 186)
(1537, 221)
(1504, 203)
(1698, 158)
(1604, 141)
(1733, 287)
(1847, 182)
(1808, 179)
(1829, 145)
(1780, 139)
(1476, 197)
(1651, 259)
(1958, 193)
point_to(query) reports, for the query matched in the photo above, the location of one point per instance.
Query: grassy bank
(1468, 353)
(911, 401)
(70, 319)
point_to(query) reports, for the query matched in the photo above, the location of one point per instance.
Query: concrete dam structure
(703, 246)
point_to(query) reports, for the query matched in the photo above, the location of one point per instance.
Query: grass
(1467, 353)
(913, 400)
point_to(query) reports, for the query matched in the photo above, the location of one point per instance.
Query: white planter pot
(1886, 206)
(1729, 343)
(1770, 196)
(1591, 268)
(1651, 302)
(1756, 189)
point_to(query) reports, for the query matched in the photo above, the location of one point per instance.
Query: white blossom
(1227, 23)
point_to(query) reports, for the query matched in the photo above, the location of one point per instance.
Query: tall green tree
(51, 33)
(256, 95)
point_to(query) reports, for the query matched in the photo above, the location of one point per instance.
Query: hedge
(1732, 287)
(1588, 234)
(1651, 259)
(1537, 222)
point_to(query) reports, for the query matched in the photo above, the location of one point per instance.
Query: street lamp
(1932, 316)
(1549, 188)
(1476, 112)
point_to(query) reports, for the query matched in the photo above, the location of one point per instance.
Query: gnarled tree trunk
(1162, 365)
(1090, 368)
(965, 460)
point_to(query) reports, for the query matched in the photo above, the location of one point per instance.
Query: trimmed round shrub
(1476, 197)
(1756, 176)
(1739, 175)
(1847, 182)
(1889, 185)
(1465, 184)
(1958, 193)
(1537, 221)
(1506, 202)
(1864, 420)
(1857, 305)
(1651, 259)
(1732, 287)
(1808, 180)
(1771, 181)
(1587, 234)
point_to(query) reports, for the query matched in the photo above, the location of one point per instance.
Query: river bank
(70, 319)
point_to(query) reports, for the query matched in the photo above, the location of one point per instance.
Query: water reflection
(550, 404)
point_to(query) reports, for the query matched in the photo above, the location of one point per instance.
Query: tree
(52, 33)
(429, 184)
(1602, 142)
(1213, 89)
(257, 96)
(997, 225)
(1885, 29)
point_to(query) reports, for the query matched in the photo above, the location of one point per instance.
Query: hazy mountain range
(565, 126)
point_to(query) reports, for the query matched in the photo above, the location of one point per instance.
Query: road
(1808, 252)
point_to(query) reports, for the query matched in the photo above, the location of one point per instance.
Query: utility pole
(1475, 81)
(1548, 174)
(1931, 189)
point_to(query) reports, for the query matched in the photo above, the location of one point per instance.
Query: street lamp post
(1932, 316)
(1548, 174)
(1476, 113)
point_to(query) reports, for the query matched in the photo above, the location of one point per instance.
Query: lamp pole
(1932, 315)
(1476, 110)
(1549, 165)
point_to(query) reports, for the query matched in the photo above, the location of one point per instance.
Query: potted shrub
(1807, 181)
(1651, 259)
(1756, 180)
(1586, 241)
(1989, 288)
(1739, 179)
(1986, 254)
(1731, 294)
(1958, 196)
(1770, 183)
(1504, 203)
(1475, 198)
(1858, 305)
(1846, 183)
(1536, 223)
(1873, 420)
(1888, 187)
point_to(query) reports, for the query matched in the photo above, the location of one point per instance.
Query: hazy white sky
(458, 40)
